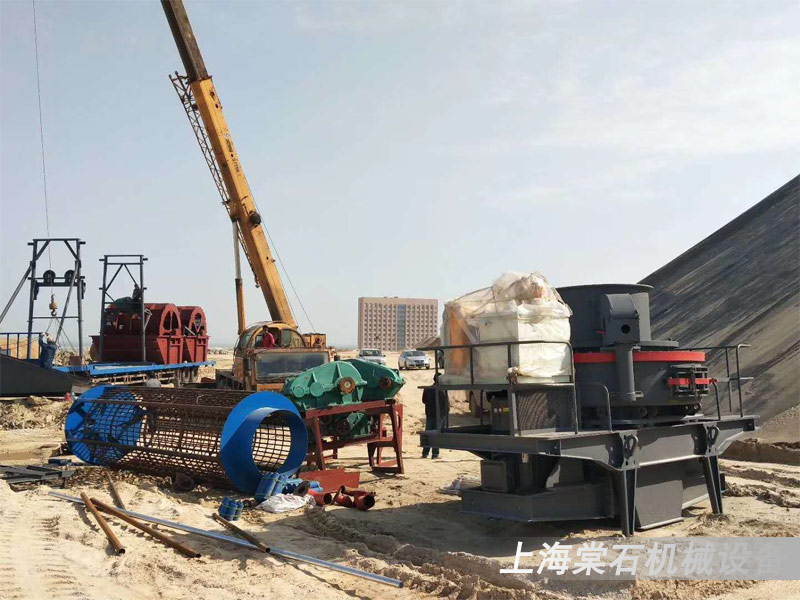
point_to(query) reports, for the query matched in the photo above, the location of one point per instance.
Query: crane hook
(53, 306)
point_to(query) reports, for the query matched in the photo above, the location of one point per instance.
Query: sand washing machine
(625, 437)
(194, 333)
(172, 334)
(227, 438)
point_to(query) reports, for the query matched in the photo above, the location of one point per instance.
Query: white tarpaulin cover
(516, 307)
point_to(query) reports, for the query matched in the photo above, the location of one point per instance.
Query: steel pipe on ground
(90, 505)
(182, 548)
(321, 498)
(244, 544)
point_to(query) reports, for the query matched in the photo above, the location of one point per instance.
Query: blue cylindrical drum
(217, 436)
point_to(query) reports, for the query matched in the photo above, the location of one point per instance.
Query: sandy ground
(52, 549)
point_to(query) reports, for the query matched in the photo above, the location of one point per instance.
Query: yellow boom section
(224, 164)
(241, 206)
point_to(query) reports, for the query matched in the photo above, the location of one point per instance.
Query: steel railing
(7, 336)
(728, 379)
(511, 385)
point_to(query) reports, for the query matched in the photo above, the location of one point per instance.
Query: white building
(396, 323)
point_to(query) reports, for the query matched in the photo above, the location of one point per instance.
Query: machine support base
(375, 442)
(644, 477)
(714, 482)
(625, 489)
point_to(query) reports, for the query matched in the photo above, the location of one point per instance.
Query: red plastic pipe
(321, 498)
(343, 500)
(364, 502)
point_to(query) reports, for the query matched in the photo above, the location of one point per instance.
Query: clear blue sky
(396, 148)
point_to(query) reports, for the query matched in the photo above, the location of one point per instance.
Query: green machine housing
(344, 382)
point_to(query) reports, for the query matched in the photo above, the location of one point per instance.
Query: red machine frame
(383, 438)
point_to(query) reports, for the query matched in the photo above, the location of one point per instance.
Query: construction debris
(34, 474)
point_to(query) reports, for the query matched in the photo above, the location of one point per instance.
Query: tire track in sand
(10, 584)
(30, 564)
(55, 576)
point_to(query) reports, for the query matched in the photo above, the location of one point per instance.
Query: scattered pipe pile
(223, 437)
(246, 543)
(124, 516)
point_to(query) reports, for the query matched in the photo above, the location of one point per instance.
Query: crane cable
(280, 261)
(285, 272)
(41, 133)
(44, 170)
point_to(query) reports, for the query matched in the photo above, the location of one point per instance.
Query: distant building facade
(396, 323)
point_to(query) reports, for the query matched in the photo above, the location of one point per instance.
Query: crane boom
(200, 96)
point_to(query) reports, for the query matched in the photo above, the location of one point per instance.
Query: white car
(413, 359)
(372, 355)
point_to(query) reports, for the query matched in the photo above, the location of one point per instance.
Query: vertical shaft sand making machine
(622, 435)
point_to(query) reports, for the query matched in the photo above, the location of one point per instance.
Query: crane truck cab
(260, 367)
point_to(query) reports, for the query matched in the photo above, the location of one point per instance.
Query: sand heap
(741, 285)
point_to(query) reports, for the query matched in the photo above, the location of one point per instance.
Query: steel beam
(654, 445)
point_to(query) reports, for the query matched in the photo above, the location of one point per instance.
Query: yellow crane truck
(267, 352)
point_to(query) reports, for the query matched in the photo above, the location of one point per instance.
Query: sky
(394, 148)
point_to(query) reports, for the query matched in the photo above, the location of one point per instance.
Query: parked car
(413, 359)
(372, 355)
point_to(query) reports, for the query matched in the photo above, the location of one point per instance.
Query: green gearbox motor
(382, 383)
(340, 383)
(331, 384)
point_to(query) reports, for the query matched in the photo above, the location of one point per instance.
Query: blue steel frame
(101, 369)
